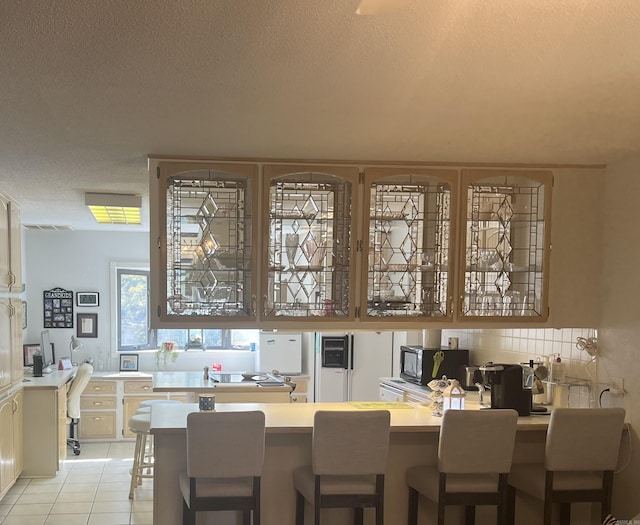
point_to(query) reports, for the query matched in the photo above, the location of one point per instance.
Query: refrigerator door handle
(351, 352)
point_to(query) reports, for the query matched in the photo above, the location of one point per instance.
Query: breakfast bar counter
(413, 441)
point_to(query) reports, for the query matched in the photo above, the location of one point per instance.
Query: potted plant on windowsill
(167, 350)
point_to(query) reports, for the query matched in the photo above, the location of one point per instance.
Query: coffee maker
(507, 390)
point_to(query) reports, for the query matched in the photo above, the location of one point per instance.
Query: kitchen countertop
(195, 382)
(121, 375)
(298, 418)
(52, 381)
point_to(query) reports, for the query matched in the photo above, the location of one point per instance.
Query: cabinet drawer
(138, 387)
(301, 386)
(101, 387)
(299, 398)
(390, 394)
(98, 402)
(416, 398)
(98, 425)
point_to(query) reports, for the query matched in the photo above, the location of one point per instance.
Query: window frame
(120, 269)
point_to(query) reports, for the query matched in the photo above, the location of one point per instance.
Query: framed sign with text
(58, 308)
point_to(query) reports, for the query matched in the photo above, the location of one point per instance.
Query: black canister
(207, 402)
(37, 365)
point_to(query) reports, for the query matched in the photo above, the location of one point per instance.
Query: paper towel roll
(431, 339)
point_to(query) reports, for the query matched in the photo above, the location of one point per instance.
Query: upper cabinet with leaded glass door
(203, 244)
(309, 221)
(409, 250)
(506, 237)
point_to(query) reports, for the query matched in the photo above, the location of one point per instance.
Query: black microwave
(421, 365)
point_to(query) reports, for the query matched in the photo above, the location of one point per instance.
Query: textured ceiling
(89, 87)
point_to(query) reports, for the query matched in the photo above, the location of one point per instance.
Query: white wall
(77, 261)
(80, 261)
(620, 294)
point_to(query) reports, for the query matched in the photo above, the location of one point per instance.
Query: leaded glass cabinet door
(308, 257)
(507, 244)
(408, 244)
(205, 253)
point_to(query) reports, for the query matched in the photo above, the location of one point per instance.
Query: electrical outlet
(617, 386)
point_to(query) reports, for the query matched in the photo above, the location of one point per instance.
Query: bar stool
(140, 425)
(225, 456)
(348, 463)
(475, 451)
(145, 454)
(581, 453)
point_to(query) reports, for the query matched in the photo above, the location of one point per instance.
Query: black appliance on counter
(507, 390)
(420, 365)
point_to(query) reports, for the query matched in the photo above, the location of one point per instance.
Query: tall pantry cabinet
(11, 359)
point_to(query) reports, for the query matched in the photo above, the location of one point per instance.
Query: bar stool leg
(134, 469)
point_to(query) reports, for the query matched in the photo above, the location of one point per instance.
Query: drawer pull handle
(146, 387)
(97, 388)
(97, 403)
(97, 419)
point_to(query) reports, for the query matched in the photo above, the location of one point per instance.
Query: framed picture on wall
(29, 352)
(87, 325)
(87, 299)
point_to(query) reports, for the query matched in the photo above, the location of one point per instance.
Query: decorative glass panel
(208, 245)
(505, 248)
(309, 246)
(408, 258)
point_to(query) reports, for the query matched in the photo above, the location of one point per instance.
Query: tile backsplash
(519, 345)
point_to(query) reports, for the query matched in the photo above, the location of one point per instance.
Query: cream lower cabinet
(62, 423)
(390, 394)
(108, 404)
(135, 392)
(8, 450)
(300, 394)
(98, 406)
(11, 357)
(18, 430)
(44, 435)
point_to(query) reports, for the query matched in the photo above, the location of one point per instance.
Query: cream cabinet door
(5, 343)
(7, 462)
(17, 357)
(310, 225)
(5, 248)
(409, 249)
(505, 248)
(18, 428)
(15, 249)
(10, 246)
(130, 407)
(204, 216)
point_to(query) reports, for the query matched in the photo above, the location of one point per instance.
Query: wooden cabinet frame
(269, 263)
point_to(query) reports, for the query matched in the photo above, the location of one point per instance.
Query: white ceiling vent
(48, 227)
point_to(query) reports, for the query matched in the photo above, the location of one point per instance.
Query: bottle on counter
(557, 369)
(205, 374)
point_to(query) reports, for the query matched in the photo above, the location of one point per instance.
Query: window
(134, 332)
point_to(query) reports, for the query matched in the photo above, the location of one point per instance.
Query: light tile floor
(91, 489)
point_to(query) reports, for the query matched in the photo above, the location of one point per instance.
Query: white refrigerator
(280, 351)
(348, 365)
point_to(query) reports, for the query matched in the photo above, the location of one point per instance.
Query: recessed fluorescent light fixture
(114, 208)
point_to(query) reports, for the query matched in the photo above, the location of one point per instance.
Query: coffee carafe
(507, 390)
